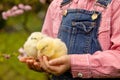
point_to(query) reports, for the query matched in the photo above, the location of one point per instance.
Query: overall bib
(79, 31)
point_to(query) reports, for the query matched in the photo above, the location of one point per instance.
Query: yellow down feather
(30, 44)
(52, 48)
(39, 44)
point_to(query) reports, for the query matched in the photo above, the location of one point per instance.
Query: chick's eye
(34, 38)
(44, 47)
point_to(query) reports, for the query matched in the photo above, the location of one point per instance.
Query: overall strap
(103, 3)
(64, 2)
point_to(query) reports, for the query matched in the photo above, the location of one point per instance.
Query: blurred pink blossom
(4, 15)
(43, 1)
(22, 53)
(27, 8)
(19, 11)
(8, 13)
(6, 56)
(16, 10)
(21, 6)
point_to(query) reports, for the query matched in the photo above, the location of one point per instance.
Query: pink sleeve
(48, 22)
(101, 64)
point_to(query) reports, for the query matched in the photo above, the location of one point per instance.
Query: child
(91, 31)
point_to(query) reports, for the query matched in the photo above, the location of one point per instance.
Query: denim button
(64, 12)
(80, 75)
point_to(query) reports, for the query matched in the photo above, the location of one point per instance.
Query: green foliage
(9, 3)
(24, 20)
(28, 21)
(13, 36)
(12, 69)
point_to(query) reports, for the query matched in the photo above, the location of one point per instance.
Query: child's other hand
(56, 66)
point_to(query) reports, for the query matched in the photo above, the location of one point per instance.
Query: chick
(51, 47)
(30, 44)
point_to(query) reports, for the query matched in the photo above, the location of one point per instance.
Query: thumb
(56, 61)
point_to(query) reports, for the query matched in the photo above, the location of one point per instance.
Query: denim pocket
(84, 27)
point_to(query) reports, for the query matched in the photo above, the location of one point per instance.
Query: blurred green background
(13, 33)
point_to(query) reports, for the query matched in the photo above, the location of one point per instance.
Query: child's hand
(31, 63)
(56, 66)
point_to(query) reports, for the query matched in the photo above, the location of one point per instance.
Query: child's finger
(44, 66)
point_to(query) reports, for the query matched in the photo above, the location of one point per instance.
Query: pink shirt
(101, 64)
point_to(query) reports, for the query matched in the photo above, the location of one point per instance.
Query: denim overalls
(79, 31)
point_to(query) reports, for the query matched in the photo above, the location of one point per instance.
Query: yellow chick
(52, 48)
(30, 44)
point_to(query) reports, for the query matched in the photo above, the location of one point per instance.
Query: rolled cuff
(80, 66)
